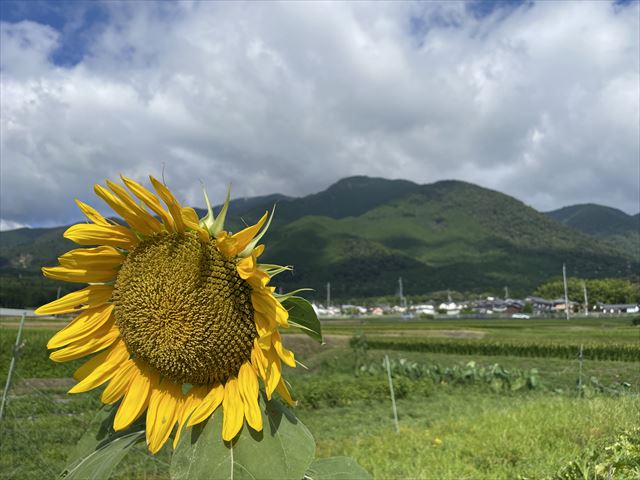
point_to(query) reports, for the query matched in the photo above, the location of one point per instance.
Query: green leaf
(99, 430)
(99, 464)
(303, 316)
(336, 468)
(283, 450)
(100, 449)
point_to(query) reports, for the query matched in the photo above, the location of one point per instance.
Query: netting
(42, 424)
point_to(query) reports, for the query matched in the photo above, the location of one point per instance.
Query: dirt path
(434, 333)
(30, 385)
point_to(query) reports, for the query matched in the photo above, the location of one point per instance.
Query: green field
(459, 422)
(535, 330)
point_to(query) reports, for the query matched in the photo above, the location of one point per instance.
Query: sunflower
(178, 314)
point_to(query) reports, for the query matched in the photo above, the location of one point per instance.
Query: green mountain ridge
(362, 233)
(596, 219)
(610, 225)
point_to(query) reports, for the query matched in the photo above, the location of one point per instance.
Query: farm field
(459, 415)
(542, 330)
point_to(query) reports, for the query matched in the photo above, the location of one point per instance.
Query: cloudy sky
(540, 100)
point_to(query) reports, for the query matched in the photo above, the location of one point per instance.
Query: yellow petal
(118, 384)
(92, 214)
(100, 368)
(258, 360)
(99, 340)
(259, 279)
(99, 257)
(190, 403)
(123, 210)
(170, 201)
(82, 326)
(114, 235)
(233, 410)
(151, 224)
(264, 302)
(246, 267)
(190, 219)
(226, 244)
(265, 325)
(285, 355)
(284, 393)
(78, 275)
(243, 237)
(151, 201)
(90, 365)
(92, 296)
(162, 414)
(136, 398)
(208, 405)
(248, 383)
(274, 371)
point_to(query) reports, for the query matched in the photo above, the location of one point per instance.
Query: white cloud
(10, 225)
(541, 103)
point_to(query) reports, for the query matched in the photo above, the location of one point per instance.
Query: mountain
(362, 233)
(605, 223)
(597, 220)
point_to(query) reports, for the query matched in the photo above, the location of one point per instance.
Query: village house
(617, 308)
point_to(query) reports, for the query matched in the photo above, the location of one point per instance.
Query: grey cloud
(541, 103)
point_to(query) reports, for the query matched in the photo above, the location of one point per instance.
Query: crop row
(497, 377)
(592, 351)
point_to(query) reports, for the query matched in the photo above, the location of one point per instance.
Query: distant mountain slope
(596, 220)
(362, 233)
(349, 197)
(448, 234)
(605, 223)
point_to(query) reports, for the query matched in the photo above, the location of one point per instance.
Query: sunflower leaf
(303, 316)
(336, 468)
(283, 450)
(99, 464)
(101, 449)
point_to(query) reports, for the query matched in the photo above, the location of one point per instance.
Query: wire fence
(41, 425)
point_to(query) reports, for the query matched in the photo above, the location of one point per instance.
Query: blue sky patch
(77, 21)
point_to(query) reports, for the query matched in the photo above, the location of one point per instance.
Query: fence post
(580, 372)
(12, 365)
(393, 397)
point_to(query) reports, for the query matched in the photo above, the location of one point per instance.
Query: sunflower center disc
(181, 307)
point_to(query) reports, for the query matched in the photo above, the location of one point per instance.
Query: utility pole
(586, 299)
(401, 293)
(506, 292)
(328, 294)
(566, 295)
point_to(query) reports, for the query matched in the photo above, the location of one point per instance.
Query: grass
(33, 358)
(446, 431)
(481, 436)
